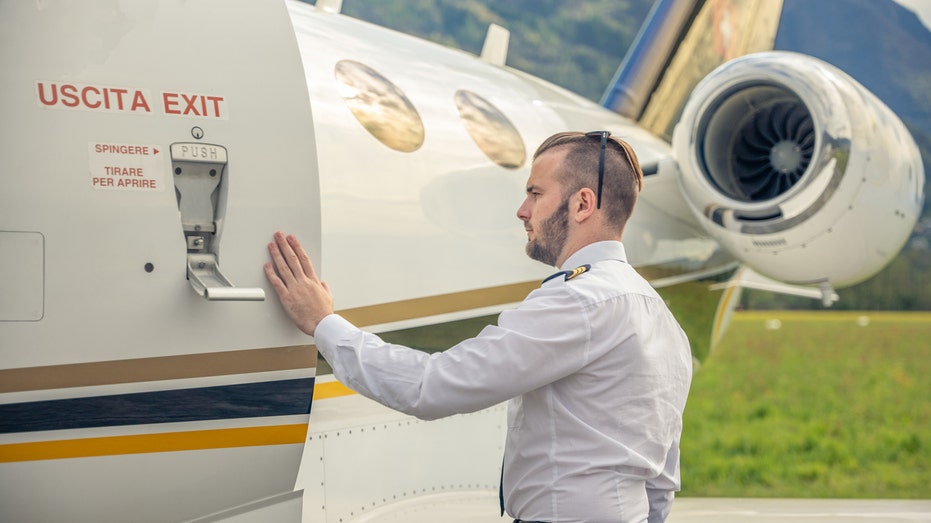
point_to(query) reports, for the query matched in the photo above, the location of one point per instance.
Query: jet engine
(797, 170)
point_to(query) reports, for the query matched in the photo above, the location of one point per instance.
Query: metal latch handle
(210, 283)
(199, 171)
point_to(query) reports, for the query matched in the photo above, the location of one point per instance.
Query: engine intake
(771, 138)
(798, 170)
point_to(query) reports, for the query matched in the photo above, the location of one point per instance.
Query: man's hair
(623, 178)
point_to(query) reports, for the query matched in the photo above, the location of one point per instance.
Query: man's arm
(662, 489)
(660, 504)
(543, 334)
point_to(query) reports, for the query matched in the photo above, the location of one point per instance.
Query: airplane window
(494, 134)
(380, 106)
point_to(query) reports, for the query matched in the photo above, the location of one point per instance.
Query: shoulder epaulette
(570, 274)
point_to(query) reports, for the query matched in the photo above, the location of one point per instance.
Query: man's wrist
(331, 329)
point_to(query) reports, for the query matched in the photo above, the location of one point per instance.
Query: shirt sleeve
(544, 339)
(660, 504)
(661, 489)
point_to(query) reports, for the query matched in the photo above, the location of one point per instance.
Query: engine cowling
(798, 170)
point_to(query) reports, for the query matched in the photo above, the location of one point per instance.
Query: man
(596, 368)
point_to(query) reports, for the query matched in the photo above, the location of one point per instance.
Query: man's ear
(585, 204)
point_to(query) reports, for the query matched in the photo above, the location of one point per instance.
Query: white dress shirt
(597, 372)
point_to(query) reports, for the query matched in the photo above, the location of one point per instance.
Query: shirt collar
(595, 252)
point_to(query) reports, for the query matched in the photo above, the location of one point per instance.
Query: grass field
(813, 404)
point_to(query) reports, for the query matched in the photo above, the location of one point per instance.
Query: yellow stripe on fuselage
(148, 443)
(332, 389)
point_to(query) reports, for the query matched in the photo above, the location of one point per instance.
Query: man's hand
(305, 298)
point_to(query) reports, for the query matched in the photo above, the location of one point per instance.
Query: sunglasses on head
(601, 159)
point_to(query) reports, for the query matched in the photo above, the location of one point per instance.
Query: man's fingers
(280, 288)
(273, 277)
(284, 272)
(287, 252)
(302, 257)
(290, 259)
(295, 256)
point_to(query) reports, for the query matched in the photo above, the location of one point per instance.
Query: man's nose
(523, 212)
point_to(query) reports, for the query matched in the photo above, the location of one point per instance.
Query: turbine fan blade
(786, 124)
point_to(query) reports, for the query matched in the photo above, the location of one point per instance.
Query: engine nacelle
(798, 170)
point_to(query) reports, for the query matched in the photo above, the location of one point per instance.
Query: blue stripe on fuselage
(271, 398)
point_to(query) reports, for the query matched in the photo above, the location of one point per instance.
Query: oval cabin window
(494, 134)
(380, 106)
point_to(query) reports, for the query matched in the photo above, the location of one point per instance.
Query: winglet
(495, 48)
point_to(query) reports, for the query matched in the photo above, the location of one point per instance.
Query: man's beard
(551, 236)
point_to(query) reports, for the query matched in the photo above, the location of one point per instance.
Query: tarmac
(481, 507)
(764, 510)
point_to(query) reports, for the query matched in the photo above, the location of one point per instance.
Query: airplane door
(127, 279)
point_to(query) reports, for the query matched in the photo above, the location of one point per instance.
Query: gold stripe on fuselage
(158, 368)
(440, 304)
(148, 443)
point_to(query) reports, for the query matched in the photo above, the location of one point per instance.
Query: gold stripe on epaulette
(578, 270)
